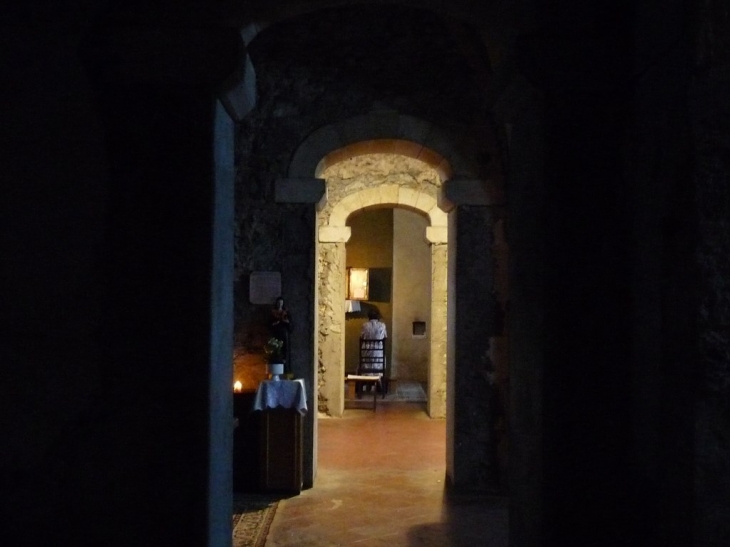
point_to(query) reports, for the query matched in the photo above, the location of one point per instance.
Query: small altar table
(281, 393)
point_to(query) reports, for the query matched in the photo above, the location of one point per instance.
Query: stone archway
(452, 155)
(332, 236)
(468, 182)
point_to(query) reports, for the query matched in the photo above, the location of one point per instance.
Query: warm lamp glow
(357, 284)
(237, 387)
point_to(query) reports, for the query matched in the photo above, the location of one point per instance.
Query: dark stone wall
(664, 279)
(112, 381)
(521, 112)
(338, 62)
(630, 299)
(582, 66)
(710, 130)
(53, 218)
(680, 215)
(619, 285)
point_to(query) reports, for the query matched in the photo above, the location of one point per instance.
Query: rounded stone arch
(332, 236)
(451, 153)
(389, 195)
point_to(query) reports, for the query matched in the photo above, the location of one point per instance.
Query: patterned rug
(252, 516)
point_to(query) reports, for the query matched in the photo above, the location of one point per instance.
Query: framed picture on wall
(381, 281)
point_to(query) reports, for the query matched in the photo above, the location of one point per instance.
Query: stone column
(298, 264)
(573, 279)
(474, 404)
(331, 343)
(521, 113)
(706, 420)
(437, 365)
(475, 465)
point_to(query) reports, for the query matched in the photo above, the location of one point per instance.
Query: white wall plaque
(264, 287)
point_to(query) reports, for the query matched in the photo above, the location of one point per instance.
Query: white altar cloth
(281, 393)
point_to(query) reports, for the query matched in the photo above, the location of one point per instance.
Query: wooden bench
(375, 380)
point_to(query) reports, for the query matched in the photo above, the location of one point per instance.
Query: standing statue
(280, 329)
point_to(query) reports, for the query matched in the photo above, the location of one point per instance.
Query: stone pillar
(437, 365)
(520, 111)
(475, 409)
(705, 469)
(300, 197)
(574, 370)
(331, 343)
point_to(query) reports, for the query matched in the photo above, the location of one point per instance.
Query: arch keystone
(408, 197)
(388, 194)
(370, 196)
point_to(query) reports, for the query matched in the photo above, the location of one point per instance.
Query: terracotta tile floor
(380, 482)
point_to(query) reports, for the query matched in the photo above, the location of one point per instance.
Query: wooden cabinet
(280, 450)
(267, 444)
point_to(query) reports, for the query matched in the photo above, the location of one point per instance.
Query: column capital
(437, 234)
(238, 93)
(334, 234)
(465, 191)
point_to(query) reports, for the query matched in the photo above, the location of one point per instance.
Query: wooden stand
(280, 445)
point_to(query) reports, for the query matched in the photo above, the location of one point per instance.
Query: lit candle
(237, 387)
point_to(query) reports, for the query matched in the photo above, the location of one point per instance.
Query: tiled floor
(380, 482)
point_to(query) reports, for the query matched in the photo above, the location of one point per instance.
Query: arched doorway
(358, 182)
(473, 199)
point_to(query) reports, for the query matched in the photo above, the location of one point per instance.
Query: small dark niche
(419, 328)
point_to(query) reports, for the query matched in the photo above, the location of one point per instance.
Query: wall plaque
(264, 287)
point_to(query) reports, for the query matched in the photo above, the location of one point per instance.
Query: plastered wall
(411, 295)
